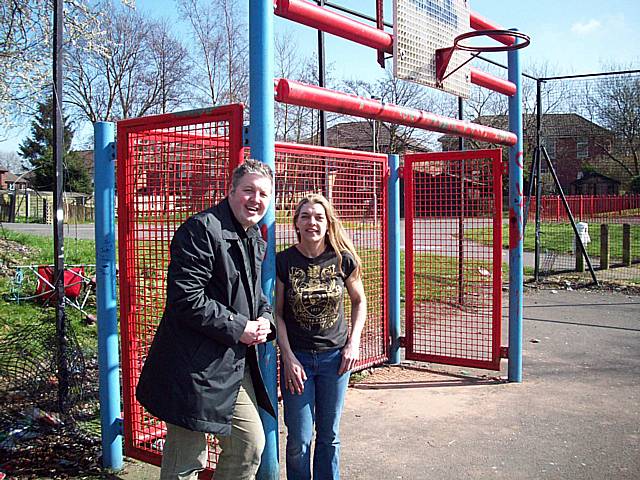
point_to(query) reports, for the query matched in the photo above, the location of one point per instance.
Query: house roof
(553, 125)
(358, 135)
(590, 175)
(10, 176)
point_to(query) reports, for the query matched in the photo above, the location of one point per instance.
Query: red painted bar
(295, 93)
(314, 16)
(480, 23)
(497, 84)
(317, 17)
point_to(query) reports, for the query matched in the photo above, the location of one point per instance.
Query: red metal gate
(453, 256)
(169, 168)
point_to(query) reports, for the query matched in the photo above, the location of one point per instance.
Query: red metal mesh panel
(618, 214)
(355, 183)
(453, 258)
(169, 168)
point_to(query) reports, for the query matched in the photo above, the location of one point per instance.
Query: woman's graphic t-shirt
(314, 298)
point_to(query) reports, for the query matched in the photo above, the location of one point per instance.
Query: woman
(316, 346)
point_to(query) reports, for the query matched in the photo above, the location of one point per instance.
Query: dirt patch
(12, 253)
(408, 376)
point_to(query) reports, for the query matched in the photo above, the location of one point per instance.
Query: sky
(567, 36)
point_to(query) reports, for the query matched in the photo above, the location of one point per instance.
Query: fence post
(393, 255)
(108, 354)
(604, 246)
(579, 259)
(46, 218)
(626, 244)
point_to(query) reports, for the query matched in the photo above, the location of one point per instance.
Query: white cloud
(585, 28)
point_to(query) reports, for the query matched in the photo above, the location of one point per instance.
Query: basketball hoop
(443, 55)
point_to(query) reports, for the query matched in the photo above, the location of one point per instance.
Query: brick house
(8, 179)
(572, 142)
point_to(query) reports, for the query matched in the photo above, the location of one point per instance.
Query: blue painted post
(108, 355)
(516, 160)
(393, 255)
(262, 142)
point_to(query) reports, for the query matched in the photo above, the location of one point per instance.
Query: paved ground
(575, 416)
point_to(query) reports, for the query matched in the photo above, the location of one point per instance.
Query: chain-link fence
(589, 134)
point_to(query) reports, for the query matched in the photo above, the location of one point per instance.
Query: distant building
(366, 136)
(9, 180)
(571, 141)
(593, 183)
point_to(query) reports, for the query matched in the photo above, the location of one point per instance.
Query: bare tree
(11, 161)
(614, 103)
(292, 122)
(140, 70)
(220, 50)
(172, 68)
(399, 92)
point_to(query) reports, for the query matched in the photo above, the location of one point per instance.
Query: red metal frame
(323, 19)
(296, 93)
(497, 84)
(478, 22)
(457, 329)
(180, 147)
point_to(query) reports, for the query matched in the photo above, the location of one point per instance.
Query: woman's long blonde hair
(336, 234)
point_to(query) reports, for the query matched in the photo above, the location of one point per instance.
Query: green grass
(557, 237)
(39, 251)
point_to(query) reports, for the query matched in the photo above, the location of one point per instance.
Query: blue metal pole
(108, 355)
(516, 159)
(262, 142)
(393, 255)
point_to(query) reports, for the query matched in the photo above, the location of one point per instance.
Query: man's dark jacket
(195, 365)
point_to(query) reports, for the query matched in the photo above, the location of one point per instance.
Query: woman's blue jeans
(320, 403)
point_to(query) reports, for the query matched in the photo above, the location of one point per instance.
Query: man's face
(250, 199)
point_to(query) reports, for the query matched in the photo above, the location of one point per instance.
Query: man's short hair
(250, 166)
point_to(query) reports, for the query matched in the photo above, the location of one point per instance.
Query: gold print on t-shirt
(315, 296)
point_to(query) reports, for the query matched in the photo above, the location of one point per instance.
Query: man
(201, 374)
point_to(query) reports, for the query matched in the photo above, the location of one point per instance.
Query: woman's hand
(294, 375)
(350, 356)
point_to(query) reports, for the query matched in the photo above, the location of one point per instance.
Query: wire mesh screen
(591, 136)
(453, 257)
(354, 182)
(169, 168)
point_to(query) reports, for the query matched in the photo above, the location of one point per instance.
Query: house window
(582, 148)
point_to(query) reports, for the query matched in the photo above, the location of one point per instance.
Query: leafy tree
(37, 150)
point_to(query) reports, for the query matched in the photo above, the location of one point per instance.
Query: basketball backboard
(420, 28)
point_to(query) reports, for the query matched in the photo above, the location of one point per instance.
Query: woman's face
(312, 223)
